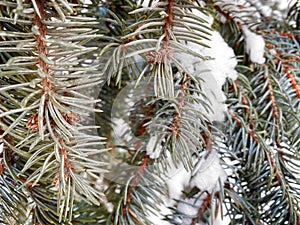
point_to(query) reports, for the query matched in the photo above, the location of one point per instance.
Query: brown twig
(131, 186)
(43, 51)
(10, 154)
(157, 57)
(41, 45)
(226, 14)
(278, 173)
(293, 82)
(239, 123)
(168, 22)
(135, 216)
(176, 125)
(286, 62)
(201, 209)
(67, 165)
(246, 103)
(274, 107)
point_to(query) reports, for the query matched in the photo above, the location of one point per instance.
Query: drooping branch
(279, 179)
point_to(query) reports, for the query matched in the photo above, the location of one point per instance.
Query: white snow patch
(178, 179)
(285, 4)
(223, 60)
(1, 148)
(190, 209)
(273, 51)
(153, 148)
(163, 211)
(206, 17)
(146, 2)
(213, 71)
(264, 9)
(255, 46)
(208, 172)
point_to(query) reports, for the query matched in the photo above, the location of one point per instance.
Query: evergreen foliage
(100, 112)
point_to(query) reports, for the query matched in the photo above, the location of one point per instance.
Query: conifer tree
(134, 112)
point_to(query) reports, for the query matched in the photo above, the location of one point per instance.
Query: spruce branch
(142, 62)
(46, 70)
(268, 92)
